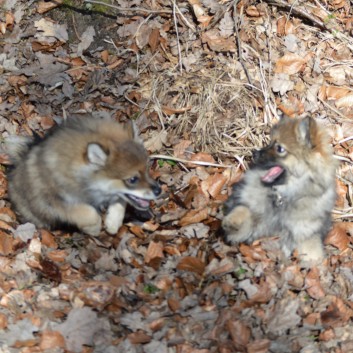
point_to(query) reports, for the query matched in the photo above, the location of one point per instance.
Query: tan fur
(296, 206)
(80, 168)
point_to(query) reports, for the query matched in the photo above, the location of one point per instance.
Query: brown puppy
(78, 169)
(289, 191)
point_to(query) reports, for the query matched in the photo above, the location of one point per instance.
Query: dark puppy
(289, 191)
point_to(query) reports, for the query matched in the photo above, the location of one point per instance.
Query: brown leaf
(50, 270)
(194, 216)
(6, 244)
(240, 334)
(153, 40)
(259, 346)
(174, 304)
(253, 253)
(170, 111)
(313, 284)
(294, 276)
(217, 43)
(341, 190)
(214, 184)
(51, 339)
(45, 6)
(154, 252)
(254, 11)
(3, 321)
(96, 293)
(336, 314)
(290, 64)
(284, 26)
(338, 237)
(3, 184)
(191, 264)
(58, 255)
(139, 337)
(48, 239)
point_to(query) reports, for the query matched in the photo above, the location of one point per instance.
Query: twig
(132, 9)
(333, 109)
(177, 36)
(297, 11)
(240, 55)
(181, 160)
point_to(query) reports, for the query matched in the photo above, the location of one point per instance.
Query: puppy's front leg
(114, 217)
(85, 217)
(311, 249)
(238, 224)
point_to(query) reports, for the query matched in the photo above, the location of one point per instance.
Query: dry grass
(221, 117)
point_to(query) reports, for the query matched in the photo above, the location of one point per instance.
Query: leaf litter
(203, 85)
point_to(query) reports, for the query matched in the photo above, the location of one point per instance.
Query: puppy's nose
(156, 189)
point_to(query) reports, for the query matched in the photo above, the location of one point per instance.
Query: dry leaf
(290, 64)
(170, 111)
(259, 346)
(52, 29)
(153, 39)
(239, 332)
(338, 237)
(194, 216)
(217, 43)
(154, 250)
(6, 244)
(51, 339)
(45, 6)
(346, 101)
(191, 264)
(313, 284)
(284, 26)
(214, 184)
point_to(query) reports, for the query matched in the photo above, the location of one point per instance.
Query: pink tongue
(272, 174)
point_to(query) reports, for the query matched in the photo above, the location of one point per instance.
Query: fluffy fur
(80, 168)
(289, 191)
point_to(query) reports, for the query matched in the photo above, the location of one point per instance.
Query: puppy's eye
(281, 151)
(133, 180)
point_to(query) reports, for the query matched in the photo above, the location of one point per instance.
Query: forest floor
(204, 80)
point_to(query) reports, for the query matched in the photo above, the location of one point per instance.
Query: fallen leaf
(194, 216)
(290, 64)
(259, 346)
(338, 237)
(154, 252)
(217, 43)
(86, 39)
(240, 334)
(45, 6)
(52, 29)
(214, 184)
(313, 284)
(6, 244)
(51, 339)
(191, 264)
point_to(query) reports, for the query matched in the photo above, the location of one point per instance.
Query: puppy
(288, 192)
(77, 170)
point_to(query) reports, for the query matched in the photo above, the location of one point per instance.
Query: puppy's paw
(311, 251)
(114, 218)
(237, 224)
(94, 228)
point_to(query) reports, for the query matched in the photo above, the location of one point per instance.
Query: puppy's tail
(16, 147)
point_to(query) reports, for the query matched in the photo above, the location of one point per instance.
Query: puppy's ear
(306, 130)
(96, 154)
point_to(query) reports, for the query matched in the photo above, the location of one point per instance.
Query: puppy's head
(297, 146)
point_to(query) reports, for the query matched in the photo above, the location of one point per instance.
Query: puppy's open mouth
(272, 174)
(137, 202)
